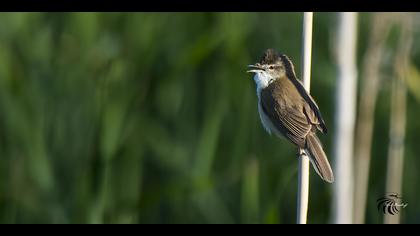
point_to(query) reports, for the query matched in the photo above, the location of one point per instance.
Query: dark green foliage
(151, 118)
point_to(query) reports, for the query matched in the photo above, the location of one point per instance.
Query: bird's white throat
(262, 80)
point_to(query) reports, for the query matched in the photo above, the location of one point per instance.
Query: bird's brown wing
(289, 119)
(314, 118)
(311, 108)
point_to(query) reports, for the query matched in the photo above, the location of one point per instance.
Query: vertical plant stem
(303, 171)
(345, 118)
(398, 114)
(380, 27)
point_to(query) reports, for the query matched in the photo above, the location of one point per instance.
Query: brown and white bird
(287, 110)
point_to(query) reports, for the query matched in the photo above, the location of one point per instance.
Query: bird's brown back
(288, 110)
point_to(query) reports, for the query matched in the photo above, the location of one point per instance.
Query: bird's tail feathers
(313, 148)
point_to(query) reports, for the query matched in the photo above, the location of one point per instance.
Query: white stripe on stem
(303, 171)
(345, 108)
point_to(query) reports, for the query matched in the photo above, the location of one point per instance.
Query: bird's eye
(271, 67)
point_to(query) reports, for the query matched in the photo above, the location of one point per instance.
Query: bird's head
(271, 66)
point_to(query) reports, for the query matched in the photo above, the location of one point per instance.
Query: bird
(287, 110)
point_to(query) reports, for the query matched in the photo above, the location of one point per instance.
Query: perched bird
(287, 110)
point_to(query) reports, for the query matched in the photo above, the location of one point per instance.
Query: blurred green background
(151, 118)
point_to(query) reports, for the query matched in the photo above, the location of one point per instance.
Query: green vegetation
(151, 118)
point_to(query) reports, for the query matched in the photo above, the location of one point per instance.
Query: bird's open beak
(254, 68)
